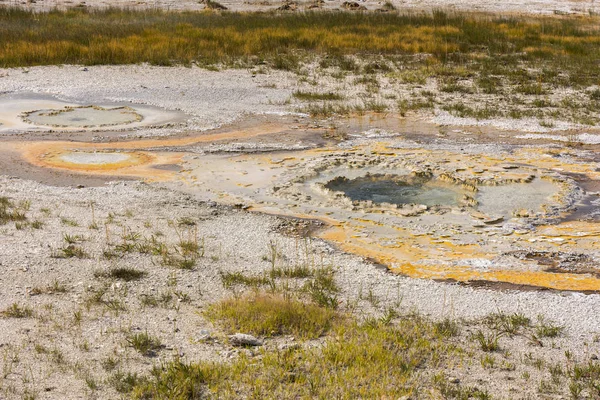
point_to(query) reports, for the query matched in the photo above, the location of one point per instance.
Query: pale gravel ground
(235, 241)
(522, 125)
(515, 6)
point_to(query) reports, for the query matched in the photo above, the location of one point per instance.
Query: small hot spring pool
(84, 116)
(385, 189)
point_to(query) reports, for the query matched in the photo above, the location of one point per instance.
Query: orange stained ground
(405, 257)
(397, 259)
(140, 164)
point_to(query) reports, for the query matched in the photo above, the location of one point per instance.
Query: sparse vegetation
(296, 271)
(163, 299)
(144, 343)
(314, 96)
(9, 211)
(70, 251)
(55, 288)
(547, 329)
(357, 361)
(447, 327)
(124, 382)
(511, 324)
(17, 311)
(322, 289)
(69, 222)
(100, 296)
(231, 279)
(122, 273)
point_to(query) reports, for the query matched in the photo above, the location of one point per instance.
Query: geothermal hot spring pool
(395, 191)
(81, 117)
(89, 161)
(36, 112)
(94, 158)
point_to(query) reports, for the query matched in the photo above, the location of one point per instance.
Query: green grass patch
(237, 278)
(122, 382)
(487, 343)
(296, 271)
(271, 315)
(322, 288)
(314, 96)
(548, 329)
(356, 361)
(511, 324)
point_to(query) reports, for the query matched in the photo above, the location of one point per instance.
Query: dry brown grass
(563, 50)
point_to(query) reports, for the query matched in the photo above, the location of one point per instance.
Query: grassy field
(563, 51)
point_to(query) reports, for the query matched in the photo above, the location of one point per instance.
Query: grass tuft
(17, 311)
(144, 343)
(487, 343)
(232, 279)
(124, 383)
(322, 289)
(511, 324)
(267, 315)
(122, 273)
(10, 212)
(547, 329)
(70, 251)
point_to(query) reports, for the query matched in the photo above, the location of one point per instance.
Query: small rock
(509, 166)
(594, 357)
(352, 5)
(242, 339)
(493, 220)
(204, 335)
(288, 346)
(291, 6)
(523, 213)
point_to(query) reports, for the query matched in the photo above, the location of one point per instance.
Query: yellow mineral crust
(466, 248)
(396, 261)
